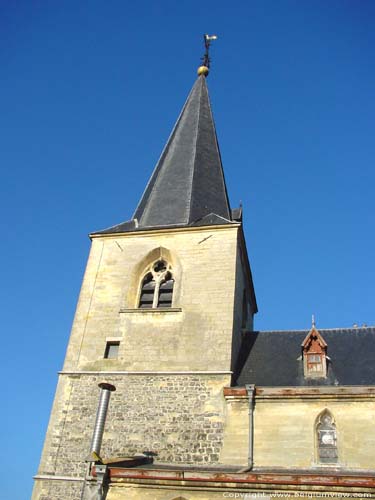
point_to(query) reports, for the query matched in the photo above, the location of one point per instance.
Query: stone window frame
(130, 300)
(110, 351)
(158, 273)
(326, 447)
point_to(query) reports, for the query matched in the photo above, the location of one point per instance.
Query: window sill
(152, 311)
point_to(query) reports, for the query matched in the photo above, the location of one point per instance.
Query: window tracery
(157, 286)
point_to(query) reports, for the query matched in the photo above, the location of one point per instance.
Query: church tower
(164, 300)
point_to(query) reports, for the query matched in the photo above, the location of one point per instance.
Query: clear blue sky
(90, 91)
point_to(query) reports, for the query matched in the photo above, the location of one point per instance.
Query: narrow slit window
(111, 350)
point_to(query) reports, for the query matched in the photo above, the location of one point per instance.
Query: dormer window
(314, 350)
(157, 287)
(315, 363)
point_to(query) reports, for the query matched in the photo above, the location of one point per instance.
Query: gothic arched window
(326, 437)
(157, 287)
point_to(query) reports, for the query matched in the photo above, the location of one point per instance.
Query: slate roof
(274, 358)
(187, 187)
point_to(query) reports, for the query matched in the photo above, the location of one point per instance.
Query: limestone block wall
(223, 491)
(291, 426)
(285, 429)
(195, 334)
(236, 433)
(140, 492)
(178, 417)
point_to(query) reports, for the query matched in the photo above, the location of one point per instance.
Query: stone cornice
(317, 392)
(165, 230)
(290, 479)
(50, 477)
(145, 373)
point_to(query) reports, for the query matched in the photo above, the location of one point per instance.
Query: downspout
(250, 388)
(96, 488)
(101, 416)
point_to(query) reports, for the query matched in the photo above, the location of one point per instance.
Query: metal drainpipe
(95, 488)
(250, 392)
(101, 415)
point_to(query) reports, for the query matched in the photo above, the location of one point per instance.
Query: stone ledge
(145, 373)
(291, 478)
(152, 310)
(317, 392)
(47, 477)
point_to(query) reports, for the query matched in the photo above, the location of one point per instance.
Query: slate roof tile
(274, 358)
(188, 183)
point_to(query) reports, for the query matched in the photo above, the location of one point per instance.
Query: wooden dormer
(314, 351)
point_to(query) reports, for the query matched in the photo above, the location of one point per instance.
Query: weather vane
(207, 42)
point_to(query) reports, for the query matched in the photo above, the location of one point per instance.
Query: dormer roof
(313, 335)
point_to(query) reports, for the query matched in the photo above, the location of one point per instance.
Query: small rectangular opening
(111, 350)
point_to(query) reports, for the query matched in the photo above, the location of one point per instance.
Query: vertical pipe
(250, 391)
(101, 415)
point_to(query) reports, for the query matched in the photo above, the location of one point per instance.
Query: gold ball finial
(203, 70)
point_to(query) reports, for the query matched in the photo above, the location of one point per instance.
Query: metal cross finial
(207, 42)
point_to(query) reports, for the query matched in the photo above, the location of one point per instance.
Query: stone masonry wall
(178, 417)
(289, 424)
(195, 334)
(58, 490)
(151, 492)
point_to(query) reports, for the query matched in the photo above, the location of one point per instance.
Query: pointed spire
(187, 186)
(188, 181)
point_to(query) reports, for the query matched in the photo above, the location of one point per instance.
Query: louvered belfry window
(147, 292)
(157, 287)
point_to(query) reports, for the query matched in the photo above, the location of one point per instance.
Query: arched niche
(326, 438)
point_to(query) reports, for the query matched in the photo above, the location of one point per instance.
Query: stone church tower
(163, 303)
(167, 392)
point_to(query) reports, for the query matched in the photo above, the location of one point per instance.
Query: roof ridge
(193, 173)
(355, 328)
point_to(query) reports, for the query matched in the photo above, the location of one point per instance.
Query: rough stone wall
(289, 424)
(178, 417)
(57, 490)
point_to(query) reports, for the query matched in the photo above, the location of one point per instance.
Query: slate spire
(188, 181)
(187, 186)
